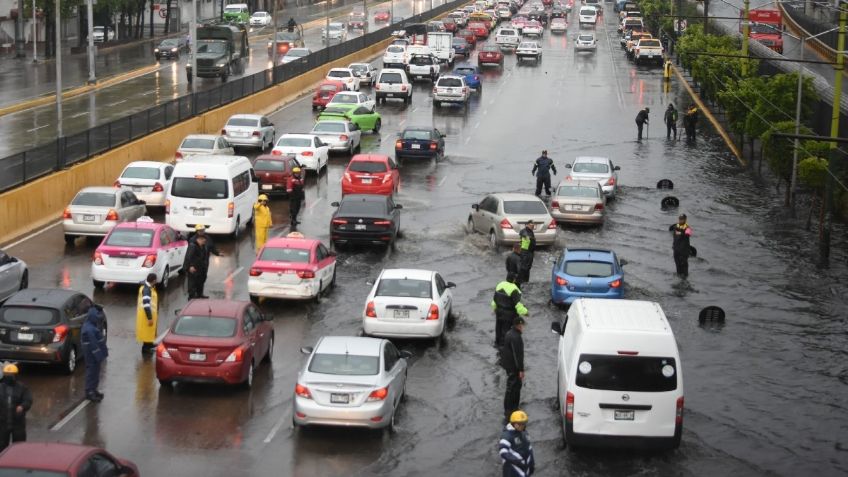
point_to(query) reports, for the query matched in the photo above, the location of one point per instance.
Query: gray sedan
(578, 202)
(96, 210)
(339, 135)
(502, 216)
(599, 169)
(14, 275)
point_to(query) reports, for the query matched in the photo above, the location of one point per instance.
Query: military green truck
(236, 13)
(220, 51)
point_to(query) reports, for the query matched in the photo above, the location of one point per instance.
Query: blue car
(472, 76)
(461, 47)
(586, 273)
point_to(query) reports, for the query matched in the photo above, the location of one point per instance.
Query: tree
(779, 151)
(812, 172)
(737, 100)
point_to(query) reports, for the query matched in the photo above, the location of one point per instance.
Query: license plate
(88, 218)
(26, 336)
(366, 181)
(267, 187)
(624, 415)
(198, 211)
(359, 227)
(401, 313)
(416, 146)
(390, 95)
(137, 189)
(339, 398)
(576, 207)
(202, 357)
(123, 262)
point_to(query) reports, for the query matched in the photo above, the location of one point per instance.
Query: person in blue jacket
(515, 449)
(94, 350)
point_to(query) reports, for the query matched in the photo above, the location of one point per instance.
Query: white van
(619, 376)
(215, 191)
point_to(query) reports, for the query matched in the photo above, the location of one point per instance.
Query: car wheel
(165, 384)
(70, 239)
(469, 226)
(248, 382)
(436, 104)
(350, 149)
(70, 364)
(24, 280)
(270, 354)
(333, 281)
(493, 240)
(377, 126)
(391, 428)
(98, 285)
(254, 299)
(320, 293)
(235, 233)
(166, 277)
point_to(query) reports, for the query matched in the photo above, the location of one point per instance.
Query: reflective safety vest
(507, 300)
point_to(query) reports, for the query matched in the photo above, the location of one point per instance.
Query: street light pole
(834, 132)
(90, 12)
(192, 35)
(58, 33)
(34, 35)
(273, 38)
(746, 32)
(327, 22)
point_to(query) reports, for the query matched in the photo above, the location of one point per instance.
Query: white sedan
(585, 42)
(342, 136)
(308, 149)
(250, 130)
(346, 76)
(338, 31)
(528, 49)
(198, 144)
(148, 180)
(353, 97)
(407, 303)
(260, 19)
(14, 275)
(533, 28)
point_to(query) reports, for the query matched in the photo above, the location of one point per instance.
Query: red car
(215, 341)
(469, 36)
(490, 55)
(273, 172)
(60, 459)
(481, 31)
(450, 24)
(518, 22)
(325, 92)
(371, 174)
(382, 16)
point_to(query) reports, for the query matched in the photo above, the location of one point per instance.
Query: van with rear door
(215, 191)
(619, 376)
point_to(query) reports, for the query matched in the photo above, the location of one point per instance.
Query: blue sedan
(461, 47)
(586, 273)
(472, 76)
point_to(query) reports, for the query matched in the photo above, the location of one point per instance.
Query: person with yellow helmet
(294, 187)
(514, 447)
(261, 221)
(15, 402)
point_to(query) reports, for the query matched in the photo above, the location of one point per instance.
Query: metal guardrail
(66, 151)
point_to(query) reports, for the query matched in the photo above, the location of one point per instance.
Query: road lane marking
(275, 429)
(117, 103)
(234, 273)
(36, 129)
(415, 109)
(70, 415)
(467, 139)
(28, 237)
(477, 125)
(442, 181)
(79, 114)
(320, 199)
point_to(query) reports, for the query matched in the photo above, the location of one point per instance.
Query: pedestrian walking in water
(690, 121)
(94, 351)
(507, 305)
(294, 187)
(197, 266)
(15, 402)
(641, 121)
(513, 260)
(147, 313)
(512, 361)
(261, 221)
(542, 170)
(515, 449)
(680, 245)
(670, 119)
(527, 242)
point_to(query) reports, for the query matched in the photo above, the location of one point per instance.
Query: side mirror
(475, 206)
(306, 350)
(568, 166)
(405, 354)
(556, 328)
(331, 253)
(622, 262)
(334, 204)
(177, 311)
(398, 206)
(140, 202)
(616, 168)
(450, 285)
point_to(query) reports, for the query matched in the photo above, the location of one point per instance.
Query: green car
(236, 13)
(363, 117)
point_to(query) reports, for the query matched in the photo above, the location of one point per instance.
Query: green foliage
(776, 100)
(737, 101)
(812, 172)
(779, 151)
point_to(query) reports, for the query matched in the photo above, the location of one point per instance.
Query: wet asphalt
(764, 393)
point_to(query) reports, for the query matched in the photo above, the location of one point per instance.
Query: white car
(559, 25)
(14, 275)
(338, 31)
(507, 38)
(600, 169)
(393, 83)
(533, 28)
(296, 54)
(352, 97)
(102, 34)
(94, 211)
(366, 73)
(148, 180)
(529, 49)
(339, 135)
(395, 57)
(585, 42)
(423, 66)
(250, 130)
(308, 149)
(203, 144)
(260, 19)
(346, 76)
(407, 303)
(588, 16)
(504, 13)
(450, 89)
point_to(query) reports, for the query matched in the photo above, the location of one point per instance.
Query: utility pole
(90, 13)
(793, 182)
(19, 31)
(327, 22)
(193, 45)
(834, 132)
(365, 21)
(34, 35)
(58, 33)
(707, 16)
(746, 32)
(273, 40)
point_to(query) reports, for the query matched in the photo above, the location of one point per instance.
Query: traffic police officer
(507, 305)
(541, 169)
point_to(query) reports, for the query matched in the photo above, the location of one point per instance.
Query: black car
(42, 325)
(557, 13)
(540, 17)
(420, 142)
(365, 218)
(460, 46)
(170, 48)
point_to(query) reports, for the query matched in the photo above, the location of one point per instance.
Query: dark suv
(42, 325)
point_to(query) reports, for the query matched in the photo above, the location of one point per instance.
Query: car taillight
(561, 281)
(370, 310)
(178, 156)
(378, 394)
(149, 261)
(398, 144)
(611, 181)
(302, 391)
(433, 313)
(60, 333)
(386, 178)
(117, 184)
(554, 204)
(112, 215)
(465, 89)
(339, 221)
(98, 258)
(377, 86)
(347, 177)
(305, 274)
(599, 206)
(275, 152)
(343, 137)
(403, 88)
(505, 224)
(434, 145)
(552, 225)
(255, 272)
(167, 206)
(434, 90)
(157, 187)
(66, 214)
(236, 356)
(255, 133)
(569, 407)
(223, 132)
(162, 352)
(615, 283)
(307, 153)
(568, 178)
(678, 415)
(383, 223)
(231, 208)
(476, 78)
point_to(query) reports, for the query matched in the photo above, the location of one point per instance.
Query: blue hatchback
(586, 273)
(471, 74)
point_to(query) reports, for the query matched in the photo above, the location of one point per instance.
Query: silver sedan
(250, 130)
(502, 216)
(339, 135)
(352, 382)
(600, 169)
(14, 275)
(578, 202)
(94, 211)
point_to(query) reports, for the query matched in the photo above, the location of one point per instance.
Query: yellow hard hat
(10, 369)
(199, 227)
(295, 170)
(518, 417)
(263, 197)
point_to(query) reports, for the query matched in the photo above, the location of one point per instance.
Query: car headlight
(221, 65)
(173, 50)
(156, 50)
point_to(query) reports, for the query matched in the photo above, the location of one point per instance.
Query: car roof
(100, 189)
(355, 345)
(348, 93)
(358, 64)
(364, 198)
(579, 182)
(201, 136)
(25, 455)
(154, 164)
(291, 242)
(510, 196)
(623, 315)
(227, 308)
(452, 76)
(48, 297)
(369, 157)
(407, 273)
(418, 128)
(246, 116)
(337, 24)
(298, 135)
(217, 161)
(138, 225)
(392, 70)
(273, 157)
(595, 159)
(593, 254)
(335, 121)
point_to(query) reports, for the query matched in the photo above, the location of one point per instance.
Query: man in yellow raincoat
(261, 221)
(147, 314)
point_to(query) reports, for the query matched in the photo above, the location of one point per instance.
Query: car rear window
(269, 165)
(450, 82)
(395, 49)
(417, 134)
(141, 173)
(491, 48)
(339, 74)
(345, 364)
(533, 207)
(329, 87)
(391, 78)
(193, 143)
(626, 373)
(588, 268)
(205, 326)
(243, 122)
(359, 207)
(459, 41)
(587, 11)
(125, 237)
(199, 188)
(464, 71)
(421, 60)
(586, 38)
(282, 254)
(400, 287)
(328, 127)
(28, 316)
(359, 69)
(344, 98)
(94, 199)
(367, 166)
(591, 167)
(578, 191)
(30, 473)
(508, 32)
(650, 43)
(295, 142)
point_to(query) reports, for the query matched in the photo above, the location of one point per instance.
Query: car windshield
(344, 364)
(591, 167)
(250, 122)
(287, 36)
(298, 52)
(141, 173)
(328, 127)
(578, 191)
(94, 199)
(585, 38)
(232, 9)
(420, 134)
(459, 41)
(293, 255)
(367, 166)
(127, 237)
(197, 143)
(336, 26)
(345, 99)
(391, 78)
(99, 29)
(450, 82)
(359, 69)
(199, 188)
(205, 326)
(295, 142)
(626, 373)
(27, 315)
(259, 14)
(217, 47)
(532, 207)
(339, 74)
(590, 269)
(587, 11)
(360, 207)
(170, 43)
(400, 287)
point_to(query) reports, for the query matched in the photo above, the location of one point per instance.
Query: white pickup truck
(507, 38)
(648, 50)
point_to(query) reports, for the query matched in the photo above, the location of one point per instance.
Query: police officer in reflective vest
(507, 305)
(527, 240)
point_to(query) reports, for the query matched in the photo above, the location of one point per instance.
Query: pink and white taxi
(293, 267)
(132, 250)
